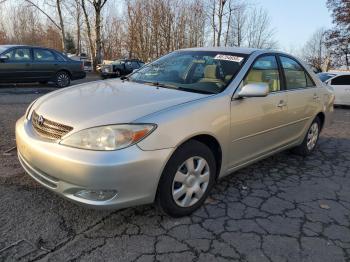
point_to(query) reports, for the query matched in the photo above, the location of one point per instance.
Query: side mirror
(3, 58)
(254, 90)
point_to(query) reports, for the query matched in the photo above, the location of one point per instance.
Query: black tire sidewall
(164, 195)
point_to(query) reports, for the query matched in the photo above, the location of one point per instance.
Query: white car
(340, 82)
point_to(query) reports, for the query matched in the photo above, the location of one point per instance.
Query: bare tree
(315, 52)
(60, 26)
(95, 46)
(259, 32)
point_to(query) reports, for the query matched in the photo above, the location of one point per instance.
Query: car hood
(108, 102)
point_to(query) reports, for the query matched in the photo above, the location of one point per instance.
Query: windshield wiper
(158, 84)
(196, 90)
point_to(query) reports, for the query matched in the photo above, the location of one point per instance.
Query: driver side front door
(17, 67)
(258, 123)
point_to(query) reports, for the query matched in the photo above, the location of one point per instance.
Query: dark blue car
(23, 64)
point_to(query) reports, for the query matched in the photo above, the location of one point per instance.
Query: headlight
(109, 138)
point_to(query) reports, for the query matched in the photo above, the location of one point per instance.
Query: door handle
(316, 98)
(282, 104)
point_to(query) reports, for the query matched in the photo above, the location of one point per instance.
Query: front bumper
(108, 74)
(132, 172)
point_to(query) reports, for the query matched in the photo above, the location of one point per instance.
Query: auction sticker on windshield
(231, 58)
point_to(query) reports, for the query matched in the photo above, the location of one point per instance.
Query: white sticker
(232, 58)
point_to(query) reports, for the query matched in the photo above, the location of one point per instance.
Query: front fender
(209, 116)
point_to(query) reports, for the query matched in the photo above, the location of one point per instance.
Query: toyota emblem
(41, 120)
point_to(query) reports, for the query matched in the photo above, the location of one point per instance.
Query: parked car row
(120, 67)
(20, 63)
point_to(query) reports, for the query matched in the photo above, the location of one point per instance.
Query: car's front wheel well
(322, 118)
(66, 71)
(214, 146)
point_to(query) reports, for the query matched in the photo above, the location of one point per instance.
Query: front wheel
(187, 179)
(118, 73)
(62, 79)
(310, 139)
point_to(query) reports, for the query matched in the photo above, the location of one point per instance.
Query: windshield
(192, 71)
(325, 76)
(3, 48)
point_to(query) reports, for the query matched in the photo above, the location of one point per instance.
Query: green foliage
(70, 44)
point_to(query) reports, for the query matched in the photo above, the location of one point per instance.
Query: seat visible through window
(264, 70)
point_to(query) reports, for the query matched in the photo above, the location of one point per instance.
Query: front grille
(49, 129)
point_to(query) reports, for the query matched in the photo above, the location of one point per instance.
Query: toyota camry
(168, 132)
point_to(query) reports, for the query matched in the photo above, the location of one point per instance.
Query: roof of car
(30, 46)
(338, 72)
(237, 50)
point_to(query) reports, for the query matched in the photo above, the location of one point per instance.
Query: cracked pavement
(284, 208)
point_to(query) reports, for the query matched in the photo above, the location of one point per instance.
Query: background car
(120, 67)
(23, 64)
(340, 83)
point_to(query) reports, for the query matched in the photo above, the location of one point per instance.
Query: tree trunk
(59, 11)
(220, 16)
(98, 42)
(88, 28)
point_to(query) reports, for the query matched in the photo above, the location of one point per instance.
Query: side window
(19, 55)
(296, 76)
(59, 57)
(43, 55)
(341, 81)
(265, 70)
(135, 65)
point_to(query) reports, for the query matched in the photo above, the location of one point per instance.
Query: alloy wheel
(62, 79)
(190, 181)
(312, 136)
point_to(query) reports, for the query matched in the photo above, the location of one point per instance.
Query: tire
(311, 138)
(179, 199)
(117, 73)
(62, 79)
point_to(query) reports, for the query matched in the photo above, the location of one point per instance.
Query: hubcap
(62, 79)
(312, 136)
(191, 181)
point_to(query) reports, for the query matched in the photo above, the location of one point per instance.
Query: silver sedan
(169, 131)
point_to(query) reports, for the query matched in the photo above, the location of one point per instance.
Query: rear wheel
(187, 179)
(310, 140)
(62, 79)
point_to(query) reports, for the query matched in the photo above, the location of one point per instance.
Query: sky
(295, 21)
